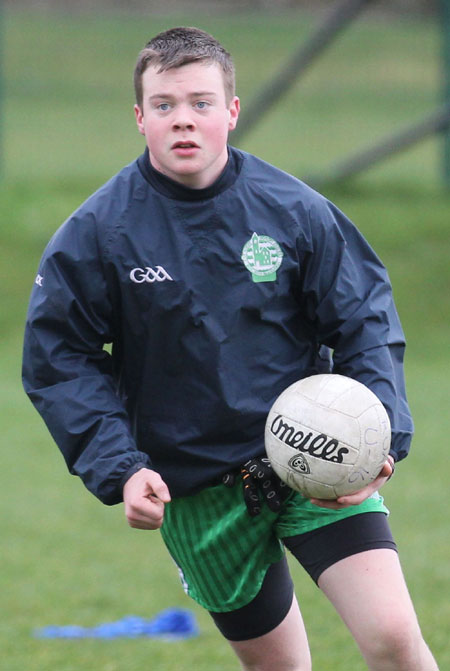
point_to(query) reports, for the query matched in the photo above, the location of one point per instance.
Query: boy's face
(185, 119)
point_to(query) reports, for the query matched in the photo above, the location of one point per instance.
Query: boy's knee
(282, 665)
(395, 645)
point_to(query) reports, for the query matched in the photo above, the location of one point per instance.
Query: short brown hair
(179, 46)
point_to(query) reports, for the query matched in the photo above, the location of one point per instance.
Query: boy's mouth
(185, 149)
(185, 145)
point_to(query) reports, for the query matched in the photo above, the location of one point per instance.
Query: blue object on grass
(171, 624)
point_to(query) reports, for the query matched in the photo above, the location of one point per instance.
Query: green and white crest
(262, 257)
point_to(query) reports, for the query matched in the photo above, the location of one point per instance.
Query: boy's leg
(285, 648)
(354, 561)
(235, 567)
(369, 592)
(268, 633)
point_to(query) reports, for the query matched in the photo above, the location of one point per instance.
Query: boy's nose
(184, 120)
(184, 125)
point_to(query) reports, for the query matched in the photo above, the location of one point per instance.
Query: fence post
(438, 122)
(339, 17)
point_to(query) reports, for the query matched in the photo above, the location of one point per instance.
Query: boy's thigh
(265, 612)
(320, 548)
(369, 592)
(223, 554)
(283, 648)
(316, 550)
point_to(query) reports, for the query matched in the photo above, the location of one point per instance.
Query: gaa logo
(147, 274)
(299, 464)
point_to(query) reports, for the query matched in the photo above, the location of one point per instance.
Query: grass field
(66, 559)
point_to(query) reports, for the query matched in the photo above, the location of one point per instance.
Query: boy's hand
(144, 496)
(358, 497)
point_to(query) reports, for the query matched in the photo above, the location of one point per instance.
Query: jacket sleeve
(67, 373)
(349, 304)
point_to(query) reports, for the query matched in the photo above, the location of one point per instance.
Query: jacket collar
(172, 189)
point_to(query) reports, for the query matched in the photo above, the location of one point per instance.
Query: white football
(327, 436)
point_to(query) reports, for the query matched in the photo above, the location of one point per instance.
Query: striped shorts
(223, 554)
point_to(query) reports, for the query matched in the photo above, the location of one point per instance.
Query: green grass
(66, 559)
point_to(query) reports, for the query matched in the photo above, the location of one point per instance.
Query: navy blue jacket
(214, 301)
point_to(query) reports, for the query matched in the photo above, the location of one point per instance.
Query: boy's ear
(234, 109)
(139, 119)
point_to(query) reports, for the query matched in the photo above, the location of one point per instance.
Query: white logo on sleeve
(147, 274)
(39, 279)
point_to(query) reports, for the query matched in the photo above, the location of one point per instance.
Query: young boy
(218, 279)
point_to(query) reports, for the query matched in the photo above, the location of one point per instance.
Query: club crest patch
(262, 256)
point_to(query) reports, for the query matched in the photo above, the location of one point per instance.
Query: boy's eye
(163, 107)
(201, 104)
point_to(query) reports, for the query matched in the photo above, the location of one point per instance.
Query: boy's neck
(178, 191)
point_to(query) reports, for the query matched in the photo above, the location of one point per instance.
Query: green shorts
(223, 554)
